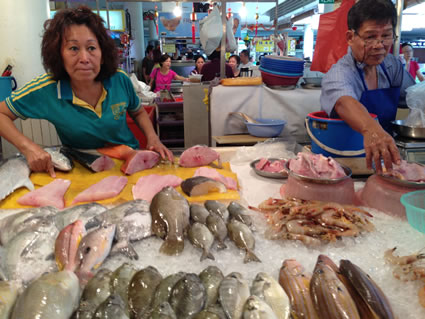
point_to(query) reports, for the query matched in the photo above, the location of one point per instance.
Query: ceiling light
(177, 10)
(243, 11)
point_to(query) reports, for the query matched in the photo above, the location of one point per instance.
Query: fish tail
(221, 245)
(172, 247)
(250, 256)
(126, 249)
(206, 254)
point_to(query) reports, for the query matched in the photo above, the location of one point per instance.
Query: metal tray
(408, 131)
(281, 175)
(346, 169)
(402, 182)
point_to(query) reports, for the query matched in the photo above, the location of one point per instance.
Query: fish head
(292, 266)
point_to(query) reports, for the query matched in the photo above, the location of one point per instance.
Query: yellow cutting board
(82, 178)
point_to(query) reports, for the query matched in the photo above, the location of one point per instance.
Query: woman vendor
(84, 94)
(368, 80)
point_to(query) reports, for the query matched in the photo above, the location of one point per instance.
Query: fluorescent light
(177, 10)
(243, 11)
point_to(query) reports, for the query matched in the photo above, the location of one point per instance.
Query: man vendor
(368, 80)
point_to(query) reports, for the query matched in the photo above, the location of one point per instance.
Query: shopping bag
(231, 44)
(331, 42)
(211, 31)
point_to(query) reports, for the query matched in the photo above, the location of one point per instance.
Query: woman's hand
(154, 144)
(39, 160)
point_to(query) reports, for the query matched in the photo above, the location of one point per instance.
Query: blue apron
(382, 102)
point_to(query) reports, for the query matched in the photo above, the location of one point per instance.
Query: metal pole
(223, 41)
(97, 7)
(275, 26)
(396, 49)
(107, 15)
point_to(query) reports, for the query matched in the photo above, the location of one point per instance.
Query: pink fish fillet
(148, 186)
(103, 163)
(50, 195)
(215, 175)
(198, 155)
(139, 161)
(108, 187)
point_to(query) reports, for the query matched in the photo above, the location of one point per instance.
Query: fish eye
(87, 250)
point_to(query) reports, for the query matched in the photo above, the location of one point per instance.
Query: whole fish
(218, 228)
(205, 314)
(95, 292)
(60, 160)
(141, 291)
(200, 236)
(163, 291)
(330, 297)
(216, 310)
(92, 251)
(67, 243)
(240, 213)
(14, 174)
(257, 308)
(211, 278)
(8, 296)
(242, 236)
(296, 282)
(83, 212)
(170, 217)
(269, 290)
(163, 311)
(233, 293)
(112, 307)
(217, 207)
(54, 295)
(120, 281)
(369, 291)
(198, 213)
(188, 296)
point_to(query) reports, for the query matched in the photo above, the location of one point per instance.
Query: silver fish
(269, 290)
(60, 160)
(52, 296)
(163, 311)
(163, 291)
(8, 296)
(83, 212)
(205, 314)
(14, 174)
(242, 236)
(141, 291)
(217, 207)
(170, 218)
(233, 293)
(240, 213)
(256, 308)
(120, 281)
(112, 307)
(200, 236)
(198, 213)
(188, 296)
(95, 292)
(218, 228)
(217, 310)
(211, 278)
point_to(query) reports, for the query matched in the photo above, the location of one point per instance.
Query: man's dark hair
(54, 30)
(382, 11)
(149, 48)
(405, 44)
(245, 53)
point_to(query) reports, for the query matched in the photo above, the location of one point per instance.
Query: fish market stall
(369, 250)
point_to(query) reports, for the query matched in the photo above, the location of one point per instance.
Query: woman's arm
(181, 78)
(141, 117)
(420, 75)
(38, 159)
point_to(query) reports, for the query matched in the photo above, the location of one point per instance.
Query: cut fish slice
(148, 186)
(108, 187)
(50, 195)
(198, 155)
(215, 175)
(14, 173)
(139, 161)
(121, 152)
(96, 163)
(201, 185)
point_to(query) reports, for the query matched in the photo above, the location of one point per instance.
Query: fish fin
(125, 248)
(50, 257)
(250, 256)
(221, 245)
(206, 254)
(28, 184)
(172, 247)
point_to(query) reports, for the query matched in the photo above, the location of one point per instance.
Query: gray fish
(218, 228)
(8, 296)
(163, 291)
(217, 207)
(217, 310)
(200, 185)
(112, 307)
(60, 160)
(205, 314)
(141, 291)
(211, 278)
(83, 212)
(170, 218)
(163, 311)
(95, 292)
(52, 296)
(14, 174)
(233, 293)
(120, 281)
(188, 296)
(240, 213)
(200, 236)
(256, 308)
(198, 213)
(242, 236)
(95, 163)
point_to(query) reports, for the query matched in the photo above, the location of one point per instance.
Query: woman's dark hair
(164, 58)
(54, 30)
(198, 57)
(382, 11)
(156, 55)
(237, 58)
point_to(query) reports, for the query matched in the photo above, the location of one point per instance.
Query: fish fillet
(148, 186)
(215, 175)
(108, 187)
(198, 155)
(50, 195)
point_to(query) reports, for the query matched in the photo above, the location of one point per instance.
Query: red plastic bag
(331, 43)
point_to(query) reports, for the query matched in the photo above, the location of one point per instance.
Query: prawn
(401, 260)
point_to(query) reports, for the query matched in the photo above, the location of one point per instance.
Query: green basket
(414, 202)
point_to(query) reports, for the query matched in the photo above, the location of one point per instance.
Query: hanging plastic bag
(231, 44)
(331, 43)
(415, 99)
(211, 31)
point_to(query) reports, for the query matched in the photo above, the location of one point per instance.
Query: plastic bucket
(333, 137)
(6, 86)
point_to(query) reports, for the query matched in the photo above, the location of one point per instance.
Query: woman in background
(411, 66)
(156, 56)
(164, 75)
(199, 62)
(234, 62)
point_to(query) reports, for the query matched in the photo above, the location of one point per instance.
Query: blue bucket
(6, 86)
(333, 137)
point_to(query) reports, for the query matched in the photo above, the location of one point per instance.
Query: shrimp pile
(408, 268)
(313, 222)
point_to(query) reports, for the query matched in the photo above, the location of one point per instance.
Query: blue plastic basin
(266, 127)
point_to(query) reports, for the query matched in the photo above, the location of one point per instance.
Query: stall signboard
(265, 45)
(326, 1)
(169, 48)
(175, 27)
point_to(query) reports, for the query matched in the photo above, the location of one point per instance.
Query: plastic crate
(414, 202)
